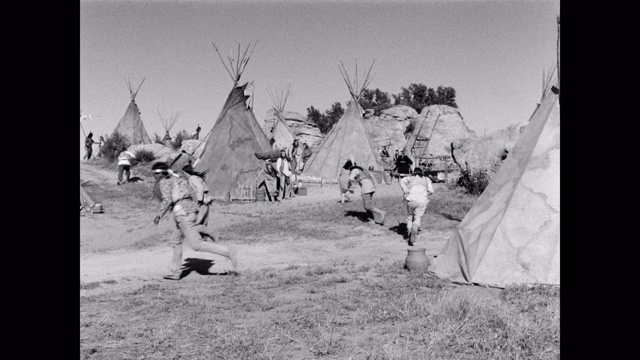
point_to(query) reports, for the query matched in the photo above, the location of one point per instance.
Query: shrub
(144, 156)
(113, 145)
(181, 135)
(474, 181)
(410, 127)
(157, 139)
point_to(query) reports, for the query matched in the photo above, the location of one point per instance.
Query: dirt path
(108, 241)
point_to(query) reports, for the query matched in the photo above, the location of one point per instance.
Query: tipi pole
(558, 51)
(81, 128)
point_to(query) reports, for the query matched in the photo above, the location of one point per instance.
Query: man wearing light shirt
(416, 189)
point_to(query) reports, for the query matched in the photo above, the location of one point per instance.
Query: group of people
(401, 164)
(88, 146)
(416, 188)
(279, 176)
(186, 195)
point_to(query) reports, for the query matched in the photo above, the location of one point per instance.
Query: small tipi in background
(167, 125)
(229, 150)
(511, 235)
(347, 139)
(281, 133)
(131, 126)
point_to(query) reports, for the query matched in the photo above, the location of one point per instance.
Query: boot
(382, 215)
(413, 235)
(403, 230)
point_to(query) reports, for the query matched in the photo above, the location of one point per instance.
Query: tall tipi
(281, 133)
(347, 139)
(131, 126)
(229, 150)
(511, 235)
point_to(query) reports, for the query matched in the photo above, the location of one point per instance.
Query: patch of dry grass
(374, 312)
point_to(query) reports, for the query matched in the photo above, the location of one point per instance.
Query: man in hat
(362, 177)
(178, 197)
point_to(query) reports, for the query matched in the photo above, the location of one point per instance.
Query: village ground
(314, 281)
(123, 247)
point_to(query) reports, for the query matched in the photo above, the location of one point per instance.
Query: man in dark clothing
(403, 164)
(88, 146)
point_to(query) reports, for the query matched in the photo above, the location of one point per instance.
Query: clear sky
(491, 52)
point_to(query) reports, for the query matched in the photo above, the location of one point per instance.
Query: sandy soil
(106, 240)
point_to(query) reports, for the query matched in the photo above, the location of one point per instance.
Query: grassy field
(378, 311)
(340, 310)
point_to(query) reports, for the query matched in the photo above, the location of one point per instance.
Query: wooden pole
(81, 128)
(558, 51)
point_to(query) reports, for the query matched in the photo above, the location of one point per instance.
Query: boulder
(306, 131)
(488, 150)
(400, 112)
(386, 130)
(449, 128)
(291, 116)
(193, 147)
(309, 134)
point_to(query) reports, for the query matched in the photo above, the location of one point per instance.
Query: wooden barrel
(261, 194)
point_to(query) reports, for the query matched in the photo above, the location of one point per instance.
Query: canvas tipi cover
(131, 126)
(282, 135)
(228, 153)
(85, 199)
(348, 138)
(511, 235)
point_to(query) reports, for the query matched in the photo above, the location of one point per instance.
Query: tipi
(347, 139)
(131, 126)
(281, 133)
(167, 124)
(511, 235)
(229, 150)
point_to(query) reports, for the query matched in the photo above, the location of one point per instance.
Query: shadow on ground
(360, 215)
(447, 216)
(201, 266)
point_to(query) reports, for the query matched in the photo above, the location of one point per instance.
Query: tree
(325, 121)
(419, 96)
(335, 113)
(447, 96)
(313, 115)
(375, 99)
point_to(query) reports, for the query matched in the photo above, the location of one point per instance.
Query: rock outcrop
(307, 132)
(487, 150)
(449, 127)
(193, 147)
(389, 127)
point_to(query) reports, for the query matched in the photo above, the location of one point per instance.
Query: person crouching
(368, 188)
